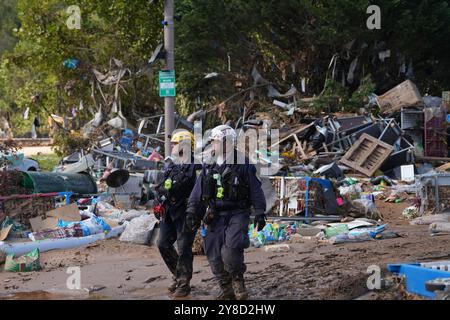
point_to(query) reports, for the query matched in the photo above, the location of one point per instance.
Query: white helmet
(223, 132)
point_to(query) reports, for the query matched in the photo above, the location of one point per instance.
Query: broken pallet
(367, 155)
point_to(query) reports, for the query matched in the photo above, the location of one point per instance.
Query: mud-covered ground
(310, 270)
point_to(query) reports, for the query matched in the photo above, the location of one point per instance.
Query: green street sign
(167, 83)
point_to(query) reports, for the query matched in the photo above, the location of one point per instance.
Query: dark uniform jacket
(242, 189)
(183, 178)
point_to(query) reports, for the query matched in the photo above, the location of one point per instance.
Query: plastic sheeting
(54, 244)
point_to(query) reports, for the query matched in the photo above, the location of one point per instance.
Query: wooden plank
(295, 132)
(444, 167)
(433, 159)
(299, 147)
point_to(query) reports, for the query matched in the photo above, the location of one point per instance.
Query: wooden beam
(297, 131)
(299, 147)
(433, 159)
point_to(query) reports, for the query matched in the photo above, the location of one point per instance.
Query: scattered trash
(20, 248)
(382, 180)
(396, 197)
(107, 188)
(57, 233)
(67, 213)
(417, 274)
(139, 229)
(277, 248)
(358, 235)
(307, 231)
(95, 288)
(410, 213)
(427, 220)
(89, 226)
(334, 231)
(71, 63)
(351, 192)
(440, 227)
(25, 263)
(346, 237)
(330, 171)
(272, 232)
(407, 172)
(367, 209)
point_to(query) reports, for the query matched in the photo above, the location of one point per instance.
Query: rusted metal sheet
(367, 155)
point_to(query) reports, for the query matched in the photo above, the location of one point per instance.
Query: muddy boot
(239, 288)
(226, 289)
(173, 286)
(182, 290)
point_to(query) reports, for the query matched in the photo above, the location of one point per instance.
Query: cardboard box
(404, 95)
(39, 224)
(66, 213)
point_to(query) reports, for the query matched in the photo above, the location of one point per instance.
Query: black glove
(192, 221)
(260, 221)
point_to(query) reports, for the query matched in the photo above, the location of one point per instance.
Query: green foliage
(307, 33)
(333, 98)
(360, 97)
(288, 40)
(47, 162)
(8, 23)
(67, 143)
(126, 30)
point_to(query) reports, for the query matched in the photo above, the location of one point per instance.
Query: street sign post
(167, 83)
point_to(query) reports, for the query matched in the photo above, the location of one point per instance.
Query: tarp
(51, 244)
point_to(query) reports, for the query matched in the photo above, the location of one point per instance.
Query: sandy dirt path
(309, 271)
(31, 151)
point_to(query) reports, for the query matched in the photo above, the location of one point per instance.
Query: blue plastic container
(417, 274)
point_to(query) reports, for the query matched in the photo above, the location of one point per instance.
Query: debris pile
(334, 171)
(409, 127)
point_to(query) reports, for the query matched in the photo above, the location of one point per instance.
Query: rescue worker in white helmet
(228, 190)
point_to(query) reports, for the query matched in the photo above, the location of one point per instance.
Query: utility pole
(169, 102)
